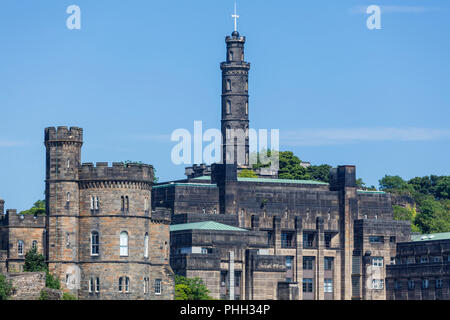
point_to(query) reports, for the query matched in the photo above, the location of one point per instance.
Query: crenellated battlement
(13, 219)
(119, 171)
(64, 134)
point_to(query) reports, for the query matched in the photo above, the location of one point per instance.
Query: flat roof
(431, 236)
(269, 180)
(204, 225)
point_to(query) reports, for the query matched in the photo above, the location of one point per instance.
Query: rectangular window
(327, 240)
(307, 285)
(375, 239)
(424, 259)
(157, 286)
(328, 285)
(308, 240)
(308, 263)
(377, 261)
(289, 262)
(120, 284)
(127, 284)
(425, 284)
(97, 284)
(91, 285)
(237, 278)
(377, 284)
(328, 263)
(437, 259)
(397, 285)
(438, 283)
(20, 247)
(223, 278)
(411, 284)
(287, 240)
(146, 284)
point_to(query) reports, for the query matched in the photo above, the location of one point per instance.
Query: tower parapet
(119, 171)
(63, 134)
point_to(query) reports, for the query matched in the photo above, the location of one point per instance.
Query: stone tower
(63, 157)
(234, 126)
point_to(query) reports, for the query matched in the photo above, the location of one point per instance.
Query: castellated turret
(103, 241)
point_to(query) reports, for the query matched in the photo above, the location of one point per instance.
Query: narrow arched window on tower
(228, 85)
(68, 197)
(123, 244)
(228, 107)
(230, 56)
(68, 163)
(146, 245)
(122, 203)
(242, 56)
(127, 203)
(246, 108)
(246, 85)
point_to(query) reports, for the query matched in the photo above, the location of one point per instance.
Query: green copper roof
(185, 184)
(204, 225)
(431, 236)
(241, 179)
(370, 191)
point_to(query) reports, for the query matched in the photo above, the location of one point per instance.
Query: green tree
(442, 190)
(290, 167)
(246, 173)
(433, 217)
(5, 288)
(394, 183)
(34, 262)
(320, 173)
(190, 289)
(38, 208)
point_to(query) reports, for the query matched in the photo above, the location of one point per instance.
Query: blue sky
(137, 70)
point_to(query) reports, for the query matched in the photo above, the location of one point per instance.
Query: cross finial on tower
(235, 16)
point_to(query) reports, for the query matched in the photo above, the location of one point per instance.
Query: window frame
(95, 245)
(158, 287)
(20, 247)
(123, 248)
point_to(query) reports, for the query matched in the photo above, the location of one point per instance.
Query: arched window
(123, 243)
(35, 245)
(68, 197)
(230, 56)
(68, 163)
(120, 284)
(95, 243)
(97, 284)
(246, 108)
(246, 85)
(228, 84)
(122, 203)
(146, 245)
(228, 107)
(20, 247)
(127, 284)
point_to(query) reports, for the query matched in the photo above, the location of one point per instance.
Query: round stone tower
(63, 156)
(235, 123)
(121, 244)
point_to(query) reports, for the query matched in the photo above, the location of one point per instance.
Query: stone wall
(27, 285)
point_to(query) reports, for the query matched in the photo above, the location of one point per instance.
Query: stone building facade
(103, 239)
(100, 236)
(319, 237)
(18, 235)
(421, 270)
